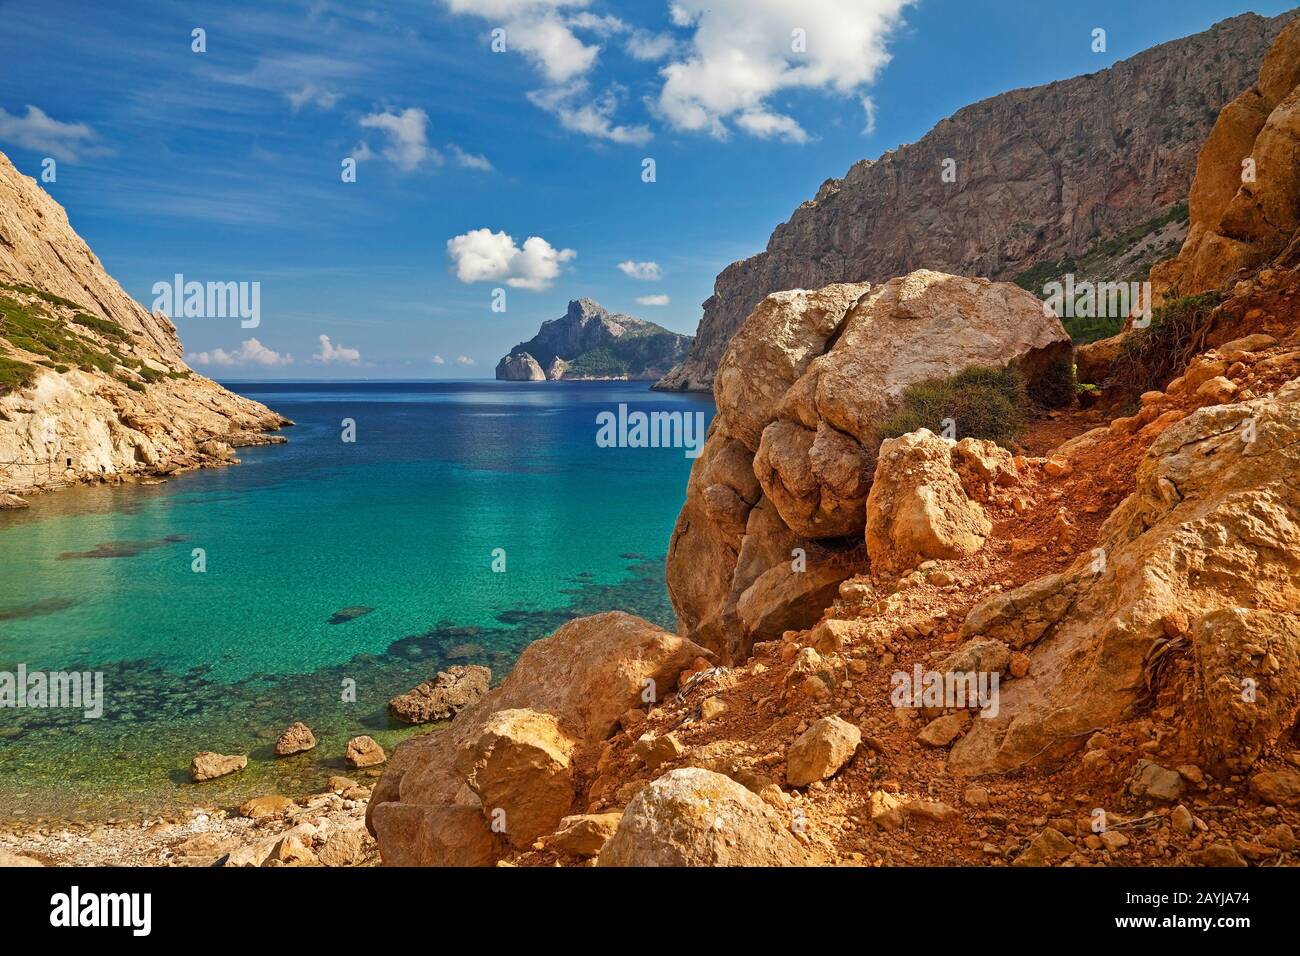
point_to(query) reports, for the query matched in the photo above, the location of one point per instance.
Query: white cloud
(464, 360)
(42, 133)
(329, 352)
(408, 137)
(593, 117)
(653, 300)
(408, 146)
(251, 352)
(469, 160)
(766, 125)
(741, 54)
(309, 94)
(439, 360)
(485, 256)
(645, 271)
(539, 30)
(869, 107)
(645, 45)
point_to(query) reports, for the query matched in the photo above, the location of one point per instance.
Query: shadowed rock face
(782, 484)
(588, 342)
(1040, 172)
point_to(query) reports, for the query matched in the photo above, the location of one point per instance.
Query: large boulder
(443, 697)
(585, 676)
(521, 768)
(1201, 559)
(695, 817)
(919, 508)
(801, 393)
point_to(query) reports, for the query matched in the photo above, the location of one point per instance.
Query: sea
(405, 527)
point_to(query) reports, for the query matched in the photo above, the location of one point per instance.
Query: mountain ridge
(1120, 146)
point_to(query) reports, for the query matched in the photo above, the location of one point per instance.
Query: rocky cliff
(923, 651)
(588, 342)
(1036, 175)
(93, 386)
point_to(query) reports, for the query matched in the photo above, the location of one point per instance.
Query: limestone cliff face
(93, 386)
(1039, 173)
(588, 342)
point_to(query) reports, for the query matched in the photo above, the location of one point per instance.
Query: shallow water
(404, 521)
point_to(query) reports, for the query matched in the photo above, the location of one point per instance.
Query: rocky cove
(916, 473)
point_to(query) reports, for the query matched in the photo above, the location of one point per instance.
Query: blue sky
(225, 165)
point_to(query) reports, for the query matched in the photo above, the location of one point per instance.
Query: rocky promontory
(588, 342)
(92, 386)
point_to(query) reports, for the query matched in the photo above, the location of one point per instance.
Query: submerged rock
(207, 765)
(296, 738)
(351, 613)
(450, 692)
(364, 752)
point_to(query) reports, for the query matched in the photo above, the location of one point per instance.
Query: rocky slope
(1086, 653)
(92, 386)
(587, 342)
(1041, 173)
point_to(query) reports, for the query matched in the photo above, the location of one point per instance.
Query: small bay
(327, 562)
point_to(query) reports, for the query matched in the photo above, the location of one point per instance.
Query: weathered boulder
(784, 333)
(1278, 787)
(345, 846)
(821, 751)
(1208, 537)
(1047, 849)
(586, 676)
(364, 752)
(803, 390)
(520, 766)
(695, 817)
(916, 328)
(207, 765)
(443, 697)
(584, 834)
(918, 508)
(297, 737)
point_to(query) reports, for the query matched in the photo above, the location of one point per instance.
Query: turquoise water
(404, 521)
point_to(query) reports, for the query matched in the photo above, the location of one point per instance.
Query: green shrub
(29, 328)
(1054, 386)
(983, 402)
(15, 374)
(130, 383)
(1148, 358)
(103, 326)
